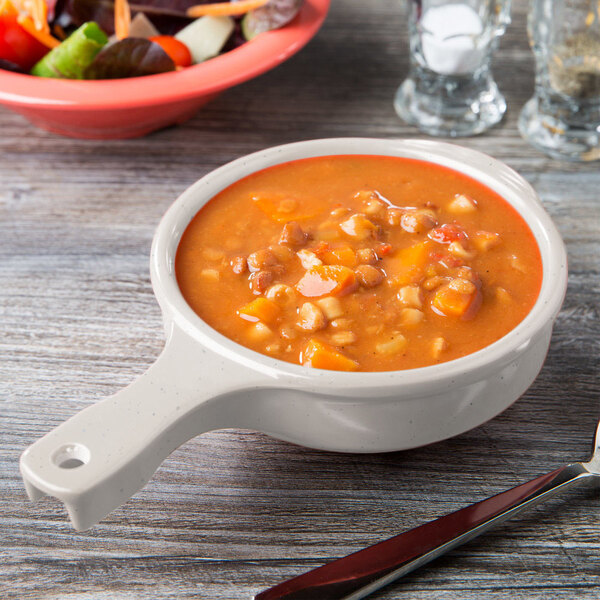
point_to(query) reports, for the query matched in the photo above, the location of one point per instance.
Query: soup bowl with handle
(204, 381)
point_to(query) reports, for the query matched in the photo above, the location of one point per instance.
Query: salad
(114, 39)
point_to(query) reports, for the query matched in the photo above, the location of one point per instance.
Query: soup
(359, 263)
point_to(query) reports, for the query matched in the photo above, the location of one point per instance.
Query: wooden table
(233, 512)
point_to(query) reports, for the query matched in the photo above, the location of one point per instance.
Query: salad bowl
(126, 108)
(204, 381)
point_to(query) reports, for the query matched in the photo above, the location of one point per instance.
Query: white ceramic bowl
(203, 381)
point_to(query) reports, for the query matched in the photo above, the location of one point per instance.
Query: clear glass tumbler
(450, 90)
(563, 117)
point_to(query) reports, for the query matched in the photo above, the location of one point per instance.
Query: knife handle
(358, 575)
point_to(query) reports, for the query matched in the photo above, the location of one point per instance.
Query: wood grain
(233, 512)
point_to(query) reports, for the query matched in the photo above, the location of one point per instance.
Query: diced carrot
(282, 209)
(219, 9)
(260, 309)
(408, 265)
(340, 256)
(322, 280)
(322, 356)
(454, 303)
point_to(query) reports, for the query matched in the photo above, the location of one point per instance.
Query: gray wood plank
(232, 512)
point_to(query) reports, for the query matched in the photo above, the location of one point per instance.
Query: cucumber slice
(206, 36)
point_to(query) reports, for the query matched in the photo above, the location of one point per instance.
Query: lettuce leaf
(131, 57)
(168, 16)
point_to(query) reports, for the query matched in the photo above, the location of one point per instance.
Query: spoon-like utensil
(359, 574)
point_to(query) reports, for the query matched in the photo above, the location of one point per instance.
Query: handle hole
(71, 456)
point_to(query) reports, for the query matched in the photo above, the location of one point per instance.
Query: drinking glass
(563, 117)
(450, 90)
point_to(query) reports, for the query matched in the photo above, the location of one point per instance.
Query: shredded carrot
(26, 22)
(38, 11)
(8, 9)
(122, 19)
(221, 9)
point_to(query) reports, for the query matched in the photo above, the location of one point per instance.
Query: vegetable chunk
(260, 309)
(322, 356)
(323, 280)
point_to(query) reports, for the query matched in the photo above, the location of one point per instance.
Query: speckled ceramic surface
(203, 381)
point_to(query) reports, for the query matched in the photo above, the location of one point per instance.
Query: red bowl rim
(250, 60)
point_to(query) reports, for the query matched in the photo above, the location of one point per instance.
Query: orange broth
(365, 263)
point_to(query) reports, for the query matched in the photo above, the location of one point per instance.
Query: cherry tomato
(16, 45)
(177, 51)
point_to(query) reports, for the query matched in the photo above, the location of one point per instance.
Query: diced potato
(259, 332)
(411, 316)
(410, 296)
(331, 307)
(341, 323)
(408, 265)
(308, 259)
(311, 317)
(282, 294)
(260, 309)
(438, 347)
(458, 250)
(462, 205)
(418, 221)
(503, 295)
(486, 240)
(211, 253)
(342, 338)
(322, 356)
(334, 280)
(211, 275)
(395, 345)
(358, 227)
(340, 256)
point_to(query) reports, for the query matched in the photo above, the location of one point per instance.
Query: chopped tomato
(18, 46)
(177, 51)
(447, 233)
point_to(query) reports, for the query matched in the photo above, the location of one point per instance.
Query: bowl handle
(99, 458)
